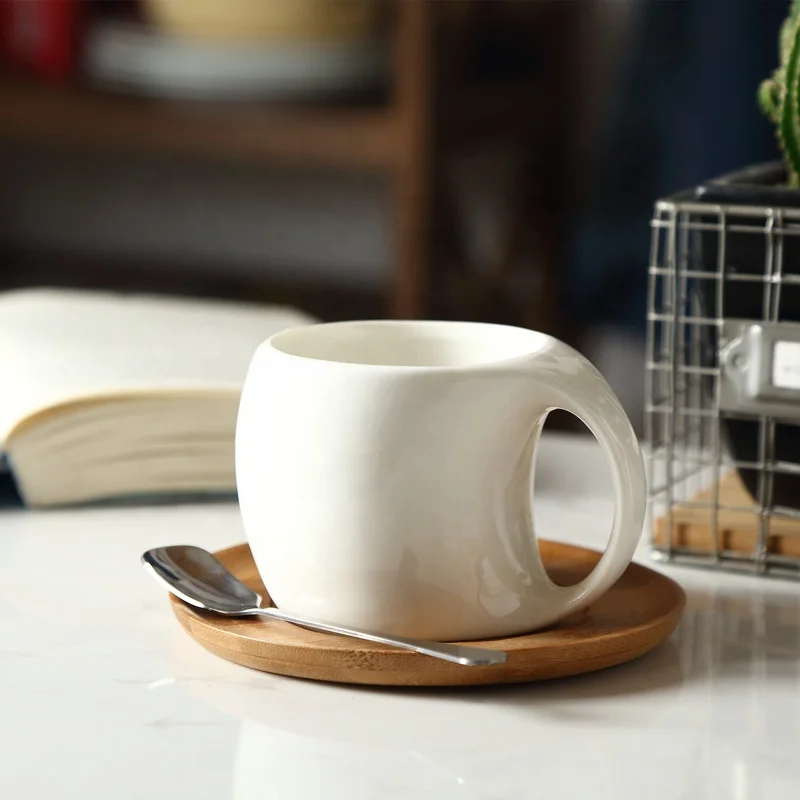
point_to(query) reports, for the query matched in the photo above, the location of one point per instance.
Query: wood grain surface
(635, 615)
(736, 527)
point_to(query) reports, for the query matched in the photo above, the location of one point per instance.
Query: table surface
(103, 695)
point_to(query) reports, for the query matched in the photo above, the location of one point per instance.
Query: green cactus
(779, 95)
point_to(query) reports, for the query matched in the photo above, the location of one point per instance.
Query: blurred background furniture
(485, 82)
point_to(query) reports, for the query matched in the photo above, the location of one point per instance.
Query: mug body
(384, 472)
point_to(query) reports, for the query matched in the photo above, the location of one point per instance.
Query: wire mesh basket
(722, 421)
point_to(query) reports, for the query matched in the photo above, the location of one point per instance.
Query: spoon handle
(456, 653)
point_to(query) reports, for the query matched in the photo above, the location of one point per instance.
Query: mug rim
(535, 342)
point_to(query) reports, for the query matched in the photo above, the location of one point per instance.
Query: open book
(106, 396)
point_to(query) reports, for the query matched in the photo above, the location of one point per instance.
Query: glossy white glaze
(384, 472)
(103, 695)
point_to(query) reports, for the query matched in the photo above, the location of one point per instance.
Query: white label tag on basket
(786, 365)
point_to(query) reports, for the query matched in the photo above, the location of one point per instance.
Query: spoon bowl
(194, 575)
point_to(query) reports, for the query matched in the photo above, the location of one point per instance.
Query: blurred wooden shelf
(321, 295)
(328, 135)
(438, 100)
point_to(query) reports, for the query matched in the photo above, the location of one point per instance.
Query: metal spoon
(194, 575)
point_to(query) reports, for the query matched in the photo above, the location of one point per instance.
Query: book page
(58, 344)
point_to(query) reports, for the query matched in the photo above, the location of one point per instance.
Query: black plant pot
(745, 254)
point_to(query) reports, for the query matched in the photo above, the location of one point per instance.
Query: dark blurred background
(472, 159)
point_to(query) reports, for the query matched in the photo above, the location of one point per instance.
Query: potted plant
(775, 185)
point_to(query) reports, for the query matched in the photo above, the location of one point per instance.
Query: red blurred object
(41, 35)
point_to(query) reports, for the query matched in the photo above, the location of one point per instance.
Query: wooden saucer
(634, 616)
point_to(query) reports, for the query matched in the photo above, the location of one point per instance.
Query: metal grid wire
(692, 273)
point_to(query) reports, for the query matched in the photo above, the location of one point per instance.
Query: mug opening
(408, 343)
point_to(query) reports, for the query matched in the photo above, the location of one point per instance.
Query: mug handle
(570, 382)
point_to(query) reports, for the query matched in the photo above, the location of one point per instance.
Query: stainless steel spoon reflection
(198, 578)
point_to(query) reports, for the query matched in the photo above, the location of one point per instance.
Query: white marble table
(103, 696)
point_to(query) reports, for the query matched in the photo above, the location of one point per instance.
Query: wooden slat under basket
(737, 530)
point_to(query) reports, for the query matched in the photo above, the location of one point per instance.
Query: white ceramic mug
(385, 473)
